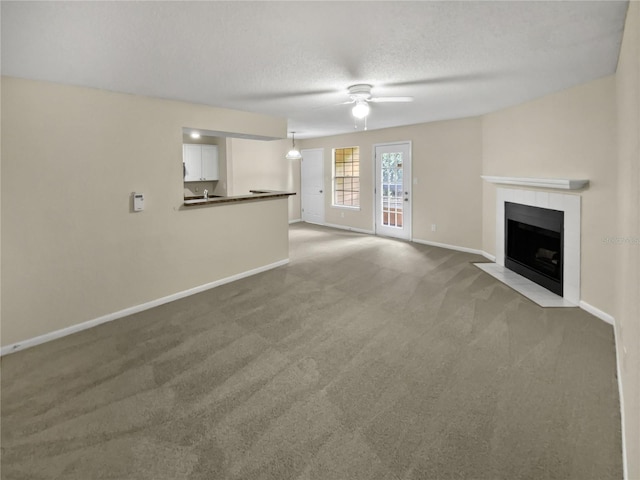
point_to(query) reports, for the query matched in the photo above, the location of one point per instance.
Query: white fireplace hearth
(571, 206)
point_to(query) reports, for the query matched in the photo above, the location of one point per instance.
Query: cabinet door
(209, 162)
(192, 158)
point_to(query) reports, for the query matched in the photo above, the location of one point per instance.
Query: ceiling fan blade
(391, 99)
(334, 105)
(282, 95)
(445, 79)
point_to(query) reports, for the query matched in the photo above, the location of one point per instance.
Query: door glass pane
(391, 189)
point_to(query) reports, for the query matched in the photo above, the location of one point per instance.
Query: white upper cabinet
(200, 162)
(209, 162)
(192, 159)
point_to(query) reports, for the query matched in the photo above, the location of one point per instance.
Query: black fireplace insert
(534, 244)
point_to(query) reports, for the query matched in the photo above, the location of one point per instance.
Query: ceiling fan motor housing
(361, 91)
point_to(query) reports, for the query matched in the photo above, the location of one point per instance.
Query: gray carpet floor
(364, 358)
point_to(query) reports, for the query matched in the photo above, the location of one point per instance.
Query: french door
(393, 190)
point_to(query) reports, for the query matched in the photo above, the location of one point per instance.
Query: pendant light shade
(294, 153)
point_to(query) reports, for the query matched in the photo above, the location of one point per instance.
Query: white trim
(32, 342)
(297, 220)
(313, 223)
(488, 256)
(596, 312)
(351, 229)
(399, 142)
(451, 247)
(625, 466)
(345, 207)
(558, 183)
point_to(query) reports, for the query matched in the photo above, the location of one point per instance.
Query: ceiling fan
(360, 94)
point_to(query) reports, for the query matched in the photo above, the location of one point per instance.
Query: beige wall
(261, 165)
(72, 249)
(627, 311)
(295, 201)
(570, 134)
(1, 341)
(446, 162)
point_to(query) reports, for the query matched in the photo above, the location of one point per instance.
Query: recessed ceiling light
(195, 135)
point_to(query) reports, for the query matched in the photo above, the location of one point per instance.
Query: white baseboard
(351, 229)
(297, 220)
(312, 223)
(450, 247)
(625, 467)
(488, 256)
(597, 312)
(47, 337)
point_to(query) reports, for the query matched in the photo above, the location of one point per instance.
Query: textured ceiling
(296, 59)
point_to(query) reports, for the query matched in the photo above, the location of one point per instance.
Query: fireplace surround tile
(556, 201)
(571, 233)
(528, 197)
(542, 199)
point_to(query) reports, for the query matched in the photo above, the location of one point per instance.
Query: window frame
(334, 179)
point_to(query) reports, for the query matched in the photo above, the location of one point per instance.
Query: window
(346, 177)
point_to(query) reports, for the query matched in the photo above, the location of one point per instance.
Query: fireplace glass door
(534, 244)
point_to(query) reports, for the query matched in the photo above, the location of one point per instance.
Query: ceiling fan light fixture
(294, 153)
(361, 109)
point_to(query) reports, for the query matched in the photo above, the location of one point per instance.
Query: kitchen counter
(255, 195)
(199, 197)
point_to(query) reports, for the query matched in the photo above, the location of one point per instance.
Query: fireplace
(534, 244)
(557, 256)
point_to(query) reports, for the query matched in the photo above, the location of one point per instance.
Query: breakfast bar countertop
(253, 196)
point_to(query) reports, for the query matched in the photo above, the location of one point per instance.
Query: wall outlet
(342, 214)
(433, 227)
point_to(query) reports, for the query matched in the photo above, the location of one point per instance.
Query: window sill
(345, 207)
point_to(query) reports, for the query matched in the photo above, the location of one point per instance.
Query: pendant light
(294, 153)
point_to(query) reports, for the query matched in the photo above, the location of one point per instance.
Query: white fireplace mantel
(557, 183)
